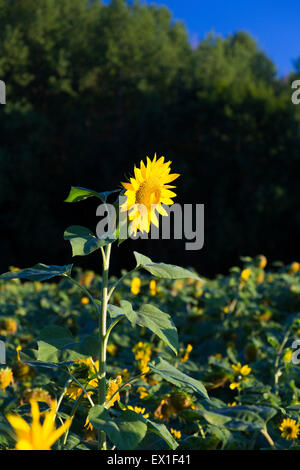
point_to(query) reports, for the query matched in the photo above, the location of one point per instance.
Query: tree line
(91, 89)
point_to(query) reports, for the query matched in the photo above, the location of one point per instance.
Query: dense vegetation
(89, 84)
(236, 336)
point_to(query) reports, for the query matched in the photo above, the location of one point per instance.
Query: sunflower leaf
(125, 432)
(162, 270)
(77, 194)
(155, 320)
(240, 418)
(38, 272)
(83, 241)
(176, 377)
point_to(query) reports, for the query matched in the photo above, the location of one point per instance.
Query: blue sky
(274, 24)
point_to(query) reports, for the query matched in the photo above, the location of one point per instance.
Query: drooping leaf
(125, 432)
(155, 320)
(39, 272)
(83, 241)
(162, 431)
(240, 418)
(162, 270)
(176, 377)
(56, 344)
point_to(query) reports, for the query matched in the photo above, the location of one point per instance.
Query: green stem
(82, 388)
(102, 339)
(268, 437)
(73, 412)
(111, 326)
(68, 382)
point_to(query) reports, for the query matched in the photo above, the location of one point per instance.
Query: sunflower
(289, 428)
(146, 193)
(37, 436)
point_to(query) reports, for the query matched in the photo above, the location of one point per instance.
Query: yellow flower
(260, 277)
(176, 434)
(38, 286)
(234, 385)
(226, 309)
(245, 274)
(239, 369)
(287, 357)
(74, 391)
(85, 300)
(6, 378)
(38, 436)
(111, 396)
(289, 428)
(8, 326)
(86, 278)
(143, 392)
(187, 353)
(15, 269)
(142, 354)
(137, 409)
(152, 287)
(112, 349)
(262, 261)
(147, 192)
(18, 349)
(294, 268)
(88, 425)
(232, 404)
(135, 285)
(88, 362)
(178, 285)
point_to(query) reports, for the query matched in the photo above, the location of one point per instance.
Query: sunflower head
(289, 428)
(146, 192)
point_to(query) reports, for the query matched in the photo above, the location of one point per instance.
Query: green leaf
(240, 418)
(83, 241)
(56, 344)
(176, 377)
(79, 194)
(39, 272)
(155, 320)
(273, 341)
(162, 431)
(125, 432)
(162, 270)
(115, 311)
(49, 365)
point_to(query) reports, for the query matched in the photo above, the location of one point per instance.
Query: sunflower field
(159, 358)
(232, 385)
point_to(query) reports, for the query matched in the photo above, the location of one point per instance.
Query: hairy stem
(102, 339)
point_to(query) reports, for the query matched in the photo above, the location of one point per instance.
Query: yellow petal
(55, 435)
(19, 424)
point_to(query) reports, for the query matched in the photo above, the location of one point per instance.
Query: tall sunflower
(146, 193)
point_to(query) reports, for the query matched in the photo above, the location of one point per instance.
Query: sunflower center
(289, 430)
(149, 192)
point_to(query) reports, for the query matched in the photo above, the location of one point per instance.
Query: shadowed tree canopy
(92, 89)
